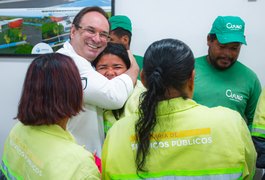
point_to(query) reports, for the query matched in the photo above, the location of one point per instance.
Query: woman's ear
(191, 83)
(125, 41)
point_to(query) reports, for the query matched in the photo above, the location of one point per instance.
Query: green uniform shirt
(190, 141)
(46, 153)
(139, 60)
(237, 87)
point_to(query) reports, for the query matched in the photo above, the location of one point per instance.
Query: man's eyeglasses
(104, 36)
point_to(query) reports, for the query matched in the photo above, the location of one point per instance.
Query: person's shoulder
(262, 94)
(82, 152)
(244, 69)
(226, 111)
(86, 167)
(18, 128)
(224, 114)
(125, 124)
(200, 58)
(84, 156)
(220, 113)
(140, 86)
(127, 121)
(138, 90)
(201, 65)
(64, 48)
(79, 155)
(73, 150)
(222, 119)
(76, 158)
(132, 103)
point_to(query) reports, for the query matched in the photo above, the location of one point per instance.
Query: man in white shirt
(88, 38)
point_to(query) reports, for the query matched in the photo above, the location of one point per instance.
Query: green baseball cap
(229, 29)
(120, 21)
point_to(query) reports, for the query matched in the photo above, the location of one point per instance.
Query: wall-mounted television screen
(40, 26)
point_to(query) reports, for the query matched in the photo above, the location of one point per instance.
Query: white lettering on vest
(189, 142)
(25, 156)
(177, 143)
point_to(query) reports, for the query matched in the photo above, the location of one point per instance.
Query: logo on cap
(229, 29)
(235, 27)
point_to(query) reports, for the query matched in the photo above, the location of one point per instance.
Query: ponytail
(147, 120)
(167, 64)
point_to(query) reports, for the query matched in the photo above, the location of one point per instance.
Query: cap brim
(230, 38)
(112, 27)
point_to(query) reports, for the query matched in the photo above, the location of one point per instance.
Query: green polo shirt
(237, 88)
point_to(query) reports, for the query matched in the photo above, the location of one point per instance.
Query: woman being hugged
(111, 62)
(172, 136)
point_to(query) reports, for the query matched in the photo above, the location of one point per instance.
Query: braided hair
(167, 63)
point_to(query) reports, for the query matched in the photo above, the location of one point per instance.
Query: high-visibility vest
(190, 141)
(130, 107)
(258, 127)
(45, 152)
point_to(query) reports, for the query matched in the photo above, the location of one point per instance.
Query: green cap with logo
(229, 29)
(120, 21)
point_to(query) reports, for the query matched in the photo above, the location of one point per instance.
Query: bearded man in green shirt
(221, 80)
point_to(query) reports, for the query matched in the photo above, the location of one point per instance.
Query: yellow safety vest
(258, 128)
(45, 153)
(190, 141)
(130, 107)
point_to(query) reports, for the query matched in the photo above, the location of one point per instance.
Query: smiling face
(110, 66)
(222, 56)
(86, 44)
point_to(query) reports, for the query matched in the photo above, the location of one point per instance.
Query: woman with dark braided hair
(173, 137)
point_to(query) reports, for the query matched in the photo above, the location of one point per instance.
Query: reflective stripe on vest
(209, 177)
(6, 172)
(220, 174)
(258, 131)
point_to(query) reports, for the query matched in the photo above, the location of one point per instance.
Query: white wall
(191, 20)
(12, 73)
(187, 20)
